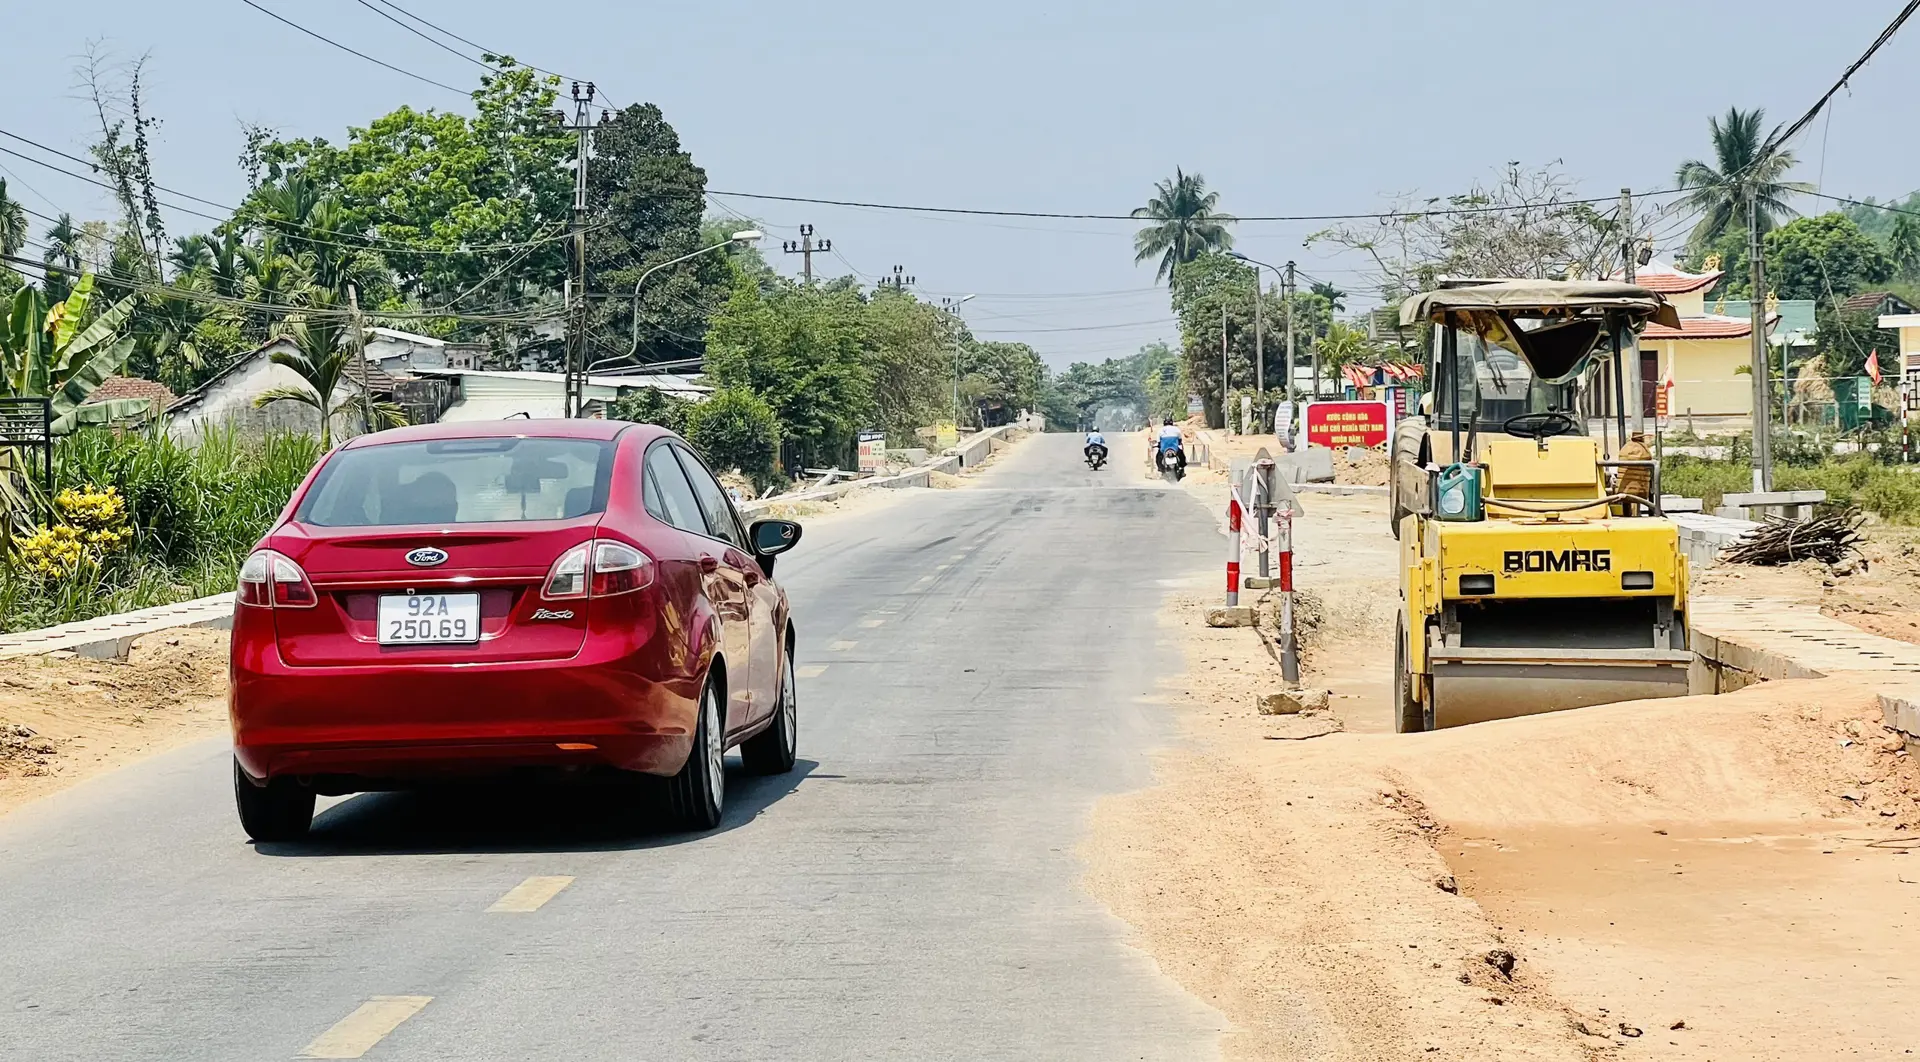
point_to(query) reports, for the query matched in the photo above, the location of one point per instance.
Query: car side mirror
(771, 538)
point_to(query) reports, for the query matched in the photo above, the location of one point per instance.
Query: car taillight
(615, 568)
(619, 569)
(568, 576)
(272, 580)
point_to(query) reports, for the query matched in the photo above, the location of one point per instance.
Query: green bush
(195, 512)
(1891, 492)
(648, 406)
(736, 429)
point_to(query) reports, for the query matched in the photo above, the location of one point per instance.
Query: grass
(1890, 492)
(196, 511)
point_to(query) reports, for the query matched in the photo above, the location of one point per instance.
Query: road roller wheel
(1409, 715)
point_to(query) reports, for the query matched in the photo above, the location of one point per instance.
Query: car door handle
(709, 563)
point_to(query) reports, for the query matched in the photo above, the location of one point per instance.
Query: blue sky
(1286, 108)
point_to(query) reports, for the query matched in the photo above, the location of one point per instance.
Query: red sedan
(575, 596)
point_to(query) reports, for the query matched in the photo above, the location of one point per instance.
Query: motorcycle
(1096, 455)
(1172, 463)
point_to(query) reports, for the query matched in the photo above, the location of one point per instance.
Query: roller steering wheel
(1537, 426)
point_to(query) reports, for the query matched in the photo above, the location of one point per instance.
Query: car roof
(554, 428)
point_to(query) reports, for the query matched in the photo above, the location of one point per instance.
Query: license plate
(429, 619)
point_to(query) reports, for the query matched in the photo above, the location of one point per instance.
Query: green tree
(911, 351)
(801, 348)
(1903, 247)
(1186, 223)
(1823, 257)
(646, 200)
(62, 257)
(1844, 338)
(1721, 191)
(13, 222)
(1210, 291)
(1008, 375)
(736, 429)
(1346, 344)
(650, 406)
(454, 187)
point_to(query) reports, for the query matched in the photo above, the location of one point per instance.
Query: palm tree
(1334, 296)
(62, 257)
(13, 222)
(323, 360)
(1185, 224)
(1740, 175)
(189, 254)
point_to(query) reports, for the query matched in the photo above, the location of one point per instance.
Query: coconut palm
(1334, 296)
(62, 257)
(1185, 223)
(323, 359)
(13, 222)
(1739, 175)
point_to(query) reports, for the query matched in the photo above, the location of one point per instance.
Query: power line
(440, 44)
(351, 51)
(484, 49)
(1129, 217)
(1886, 35)
(1889, 208)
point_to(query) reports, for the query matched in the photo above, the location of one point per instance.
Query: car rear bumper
(390, 725)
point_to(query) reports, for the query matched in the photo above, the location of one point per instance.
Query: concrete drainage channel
(1739, 642)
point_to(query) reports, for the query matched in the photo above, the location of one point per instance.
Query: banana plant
(53, 352)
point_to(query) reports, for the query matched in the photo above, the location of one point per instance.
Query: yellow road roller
(1537, 571)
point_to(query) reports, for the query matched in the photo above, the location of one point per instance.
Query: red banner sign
(1333, 424)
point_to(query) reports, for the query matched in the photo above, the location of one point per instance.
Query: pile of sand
(63, 720)
(1368, 468)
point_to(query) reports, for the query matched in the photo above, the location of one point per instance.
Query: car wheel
(772, 750)
(699, 791)
(281, 810)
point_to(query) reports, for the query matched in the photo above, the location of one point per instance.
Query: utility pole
(899, 281)
(805, 248)
(1259, 346)
(576, 387)
(952, 306)
(1286, 300)
(1757, 302)
(1630, 349)
(360, 359)
(1223, 368)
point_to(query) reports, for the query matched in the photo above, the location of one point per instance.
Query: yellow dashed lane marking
(530, 895)
(871, 623)
(841, 647)
(812, 671)
(355, 1034)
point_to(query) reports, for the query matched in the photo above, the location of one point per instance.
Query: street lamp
(953, 307)
(743, 237)
(1259, 325)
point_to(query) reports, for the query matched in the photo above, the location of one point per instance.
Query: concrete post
(1289, 654)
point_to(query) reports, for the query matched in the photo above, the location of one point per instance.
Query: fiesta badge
(427, 557)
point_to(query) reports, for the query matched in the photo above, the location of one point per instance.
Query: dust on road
(1697, 878)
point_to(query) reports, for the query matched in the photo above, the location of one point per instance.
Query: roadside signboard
(873, 445)
(1331, 424)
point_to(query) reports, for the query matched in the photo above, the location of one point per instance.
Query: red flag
(1873, 366)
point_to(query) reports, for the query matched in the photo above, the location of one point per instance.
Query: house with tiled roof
(227, 398)
(1703, 357)
(157, 395)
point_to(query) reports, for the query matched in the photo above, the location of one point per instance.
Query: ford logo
(427, 557)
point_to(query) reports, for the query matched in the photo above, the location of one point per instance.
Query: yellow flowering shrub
(91, 527)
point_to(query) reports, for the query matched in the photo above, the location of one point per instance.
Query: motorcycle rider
(1094, 438)
(1170, 441)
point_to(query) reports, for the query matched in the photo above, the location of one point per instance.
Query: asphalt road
(972, 667)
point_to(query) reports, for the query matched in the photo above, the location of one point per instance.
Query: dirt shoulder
(63, 721)
(1670, 876)
(1883, 597)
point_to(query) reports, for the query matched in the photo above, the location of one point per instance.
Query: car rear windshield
(460, 481)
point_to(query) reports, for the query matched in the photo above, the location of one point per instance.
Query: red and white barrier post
(1234, 518)
(1283, 536)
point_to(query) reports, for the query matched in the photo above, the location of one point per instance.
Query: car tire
(281, 810)
(697, 794)
(1409, 715)
(772, 751)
